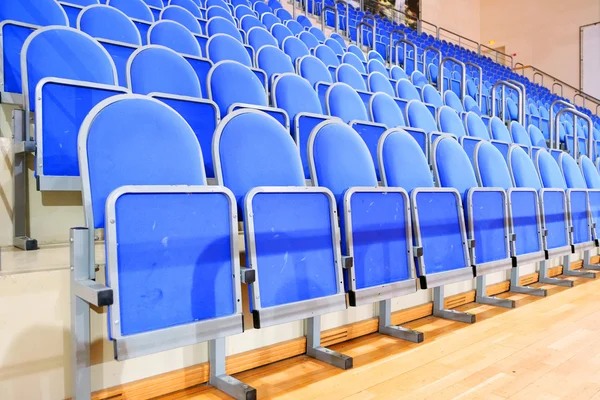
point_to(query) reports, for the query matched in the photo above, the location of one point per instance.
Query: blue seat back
(450, 122)
(335, 46)
(242, 10)
(250, 21)
(216, 11)
(318, 34)
(590, 173)
(34, 12)
(327, 55)
(295, 94)
(159, 69)
(352, 59)
(537, 137)
(380, 83)
(452, 100)
(222, 47)
(294, 48)
(127, 122)
(342, 101)
(499, 130)
(253, 149)
(218, 3)
(313, 70)
(309, 39)
(189, 5)
(269, 19)
(175, 36)
(397, 73)
(48, 52)
(183, 16)
(218, 25)
(406, 90)
(305, 21)
(259, 37)
(339, 39)
(522, 169)
(418, 79)
(571, 172)
(549, 171)
(374, 55)
(354, 49)
(471, 105)
(384, 110)
(346, 73)
(432, 96)
(375, 65)
(104, 22)
(280, 32)
(136, 9)
(490, 166)
(476, 127)
(519, 134)
(295, 27)
(261, 8)
(452, 166)
(273, 61)
(230, 82)
(418, 116)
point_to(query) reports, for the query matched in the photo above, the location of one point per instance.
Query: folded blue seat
(375, 222)
(438, 222)
(280, 32)
(175, 36)
(216, 11)
(274, 62)
(292, 239)
(183, 16)
(295, 49)
(221, 47)
(138, 11)
(309, 40)
(217, 25)
(335, 46)
(248, 22)
(258, 37)
(486, 208)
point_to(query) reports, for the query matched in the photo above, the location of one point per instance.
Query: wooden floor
(544, 349)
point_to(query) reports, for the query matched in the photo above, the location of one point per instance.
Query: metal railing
(522, 68)
(359, 33)
(347, 30)
(461, 40)
(576, 114)
(463, 83)
(427, 50)
(551, 121)
(504, 85)
(524, 104)
(323, 17)
(560, 86)
(538, 74)
(498, 53)
(406, 43)
(480, 82)
(390, 58)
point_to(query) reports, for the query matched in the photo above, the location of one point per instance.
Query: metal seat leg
(441, 312)
(386, 327)
(315, 350)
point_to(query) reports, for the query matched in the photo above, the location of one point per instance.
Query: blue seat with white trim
(476, 131)
(309, 40)
(438, 222)
(298, 99)
(274, 62)
(378, 82)
(449, 122)
(375, 65)
(114, 31)
(218, 25)
(486, 208)
(375, 222)
(258, 37)
(161, 73)
(295, 49)
(175, 36)
(74, 7)
(183, 16)
(431, 96)
(151, 213)
(138, 11)
(520, 136)
(61, 93)
(155, 7)
(18, 19)
(346, 73)
(290, 229)
(502, 138)
(250, 21)
(592, 179)
(216, 11)
(232, 85)
(189, 5)
(424, 125)
(280, 32)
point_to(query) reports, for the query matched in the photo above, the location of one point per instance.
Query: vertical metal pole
(313, 332)
(80, 317)
(385, 314)
(216, 357)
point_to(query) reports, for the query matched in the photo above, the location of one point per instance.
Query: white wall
(591, 60)
(460, 16)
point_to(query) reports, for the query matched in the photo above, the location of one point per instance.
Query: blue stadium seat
(61, 93)
(175, 36)
(375, 221)
(486, 209)
(476, 131)
(218, 25)
(378, 82)
(155, 7)
(520, 136)
(225, 47)
(397, 73)
(74, 7)
(232, 85)
(286, 224)
(500, 135)
(261, 8)
(183, 16)
(218, 3)
(439, 229)
(304, 21)
(337, 37)
(309, 40)
(335, 46)
(354, 49)
(406, 90)
(430, 95)
(352, 59)
(138, 11)
(328, 56)
(20, 19)
(449, 122)
(374, 55)
(348, 74)
(114, 31)
(283, 14)
(216, 11)
(375, 65)
(470, 104)
(294, 48)
(537, 137)
(383, 109)
(250, 21)
(280, 32)
(418, 79)
(269, 20)
(452, 100)
(188, 5)
(299, 100)
(243, 10)
(274, 62)
(259, 37)
(295, 27)
(318, 34)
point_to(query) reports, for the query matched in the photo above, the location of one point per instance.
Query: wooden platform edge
(188, 377)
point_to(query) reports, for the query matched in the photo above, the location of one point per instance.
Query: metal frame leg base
(234, 388)
(328, 356)
(453, 315)
(402, 333)
(495, 301)
(529, 290)
(593, 267)
(556, 281)
(25, 243)
(579, 274)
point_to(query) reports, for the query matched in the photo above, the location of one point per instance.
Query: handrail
(335, 12)
(427, 50)
(560, 86)
(597, 108)
(577, 114)
(522, 68)
(538, 74)
(575, 98)
(463, 85)
(406, 42)
(503, 101)
(524, 105)
(480, 85)
(551, 121)
(440, 29)
(392, 42)
(359, 38)
(347, 31)
(497, 52)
